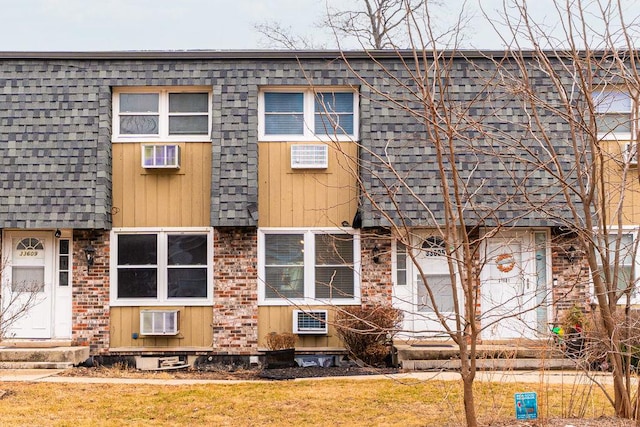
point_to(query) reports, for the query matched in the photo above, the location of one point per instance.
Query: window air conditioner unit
(630, 153)
(309, 156)
(161, 156)
(310, 322)
(159, 322)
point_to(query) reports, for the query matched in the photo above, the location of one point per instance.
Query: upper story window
(621, 255)
(305, 114)
(308, 266)
(153, 267)
(614, 114)
(161, 114)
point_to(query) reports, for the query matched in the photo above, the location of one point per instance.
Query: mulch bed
(212, 372)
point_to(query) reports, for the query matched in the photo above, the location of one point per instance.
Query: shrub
(366, 332)
(596, 349)
(281, 341)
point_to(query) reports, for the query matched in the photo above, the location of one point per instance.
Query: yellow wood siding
(280, 319)
(161, 197)
(617, 192)
(306, 197)
(194, 325)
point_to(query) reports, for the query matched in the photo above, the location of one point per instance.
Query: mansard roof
(55, 131)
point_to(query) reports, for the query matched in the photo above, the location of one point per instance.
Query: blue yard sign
(526, 406)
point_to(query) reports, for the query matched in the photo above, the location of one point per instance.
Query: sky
(88, 25)
(99, 25)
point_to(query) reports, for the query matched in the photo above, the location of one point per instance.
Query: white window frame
(610, 135)
(163, 114)
(162, 299)
(69, 270)
(632, 231)
(395, 255)
(309, 267)
(309, 97)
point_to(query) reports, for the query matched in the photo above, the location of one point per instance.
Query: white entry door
(508, 287)
(411, 290)
(27, 288)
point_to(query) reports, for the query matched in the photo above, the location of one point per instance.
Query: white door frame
(37, 320)
(419, 322)
(509, 285)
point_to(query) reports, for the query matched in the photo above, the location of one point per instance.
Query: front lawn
(327, 402)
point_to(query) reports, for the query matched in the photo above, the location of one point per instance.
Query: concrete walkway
(536, 377)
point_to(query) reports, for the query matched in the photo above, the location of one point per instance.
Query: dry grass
(329, 402)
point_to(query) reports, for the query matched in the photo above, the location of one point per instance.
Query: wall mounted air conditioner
(161, 156)
(630, 153)
(308, 156)
(310, 322)
(159, 322)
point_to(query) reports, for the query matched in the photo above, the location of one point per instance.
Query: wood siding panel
(194, 325)
(161, 198)
(280, 319)
(305, 197)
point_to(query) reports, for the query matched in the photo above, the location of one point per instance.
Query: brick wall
(571, 284)
(235, 310)
(376, 279)
(90, 305)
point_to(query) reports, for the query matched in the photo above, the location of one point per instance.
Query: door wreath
(505, 262)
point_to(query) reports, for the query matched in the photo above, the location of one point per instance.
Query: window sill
(183, 302)
(161, 139)
(273, 302)
(622, 136)
(305, 138)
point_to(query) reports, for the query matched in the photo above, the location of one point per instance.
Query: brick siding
(235, 310)
(90, 303)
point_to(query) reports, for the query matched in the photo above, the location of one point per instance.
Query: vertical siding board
(305, 198)
(194, 328)
(117, 193)
(264, 206)
(194, 195)
(176, 203)
(162, 198)
(346, 182)
(279, 319)
(335, 196)
(203, 191)
(275, 184)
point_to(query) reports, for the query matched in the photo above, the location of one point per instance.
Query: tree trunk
(468, 374)
(622, 402)
(469, 404)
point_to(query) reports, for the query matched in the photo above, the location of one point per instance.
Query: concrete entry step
(34, 343)
(444, 355)
(48, 357)
(36, 365)
(490, 364)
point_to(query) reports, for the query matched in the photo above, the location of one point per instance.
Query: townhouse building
(193, 202)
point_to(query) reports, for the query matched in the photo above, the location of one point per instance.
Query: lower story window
(621, 267)
(161, 266)
(440, 285)
(309, 265)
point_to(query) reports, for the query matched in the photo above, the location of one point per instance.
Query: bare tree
(450, 130)
(280, 36)
(535, 116)
(369, 24)
(592, 62)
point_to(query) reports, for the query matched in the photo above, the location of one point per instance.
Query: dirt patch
(314, 372)
(570, 422)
